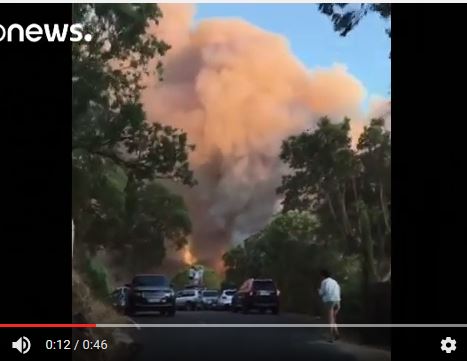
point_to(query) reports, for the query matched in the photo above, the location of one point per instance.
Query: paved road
(222, 344)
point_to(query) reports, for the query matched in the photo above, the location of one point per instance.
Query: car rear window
(229, 293)
(150, 280)
(210, 293)
(264, 285)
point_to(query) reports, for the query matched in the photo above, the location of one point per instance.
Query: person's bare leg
(331, 323)
(335, 312)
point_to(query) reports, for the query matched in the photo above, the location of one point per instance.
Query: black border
(35, 255)
(427, 186)
(428, 158)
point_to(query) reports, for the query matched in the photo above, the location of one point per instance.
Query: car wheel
(171, 313)
(262, 310)
(275, 310)
(189, 306)
(245, 309)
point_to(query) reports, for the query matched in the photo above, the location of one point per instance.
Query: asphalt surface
(235, 343)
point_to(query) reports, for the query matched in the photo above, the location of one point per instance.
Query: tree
(346, 17)
(116, 153)
(153, 214)
(288, 251)
(335, 215)
(374, 151)
(108, 120)
(347, 189)
(324, 167)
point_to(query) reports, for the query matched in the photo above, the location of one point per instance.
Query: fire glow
(188, 257)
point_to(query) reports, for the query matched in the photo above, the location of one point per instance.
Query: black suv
(151, 292)
(260, 294)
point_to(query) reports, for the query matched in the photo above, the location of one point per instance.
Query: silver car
(209, 299)
(189, 299)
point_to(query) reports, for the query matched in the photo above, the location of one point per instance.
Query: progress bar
(229, 325)
(276, 325)
(47, 325)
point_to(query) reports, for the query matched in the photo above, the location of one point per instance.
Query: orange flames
(188, 257)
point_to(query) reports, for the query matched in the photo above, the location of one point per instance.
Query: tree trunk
(368, 266)
(345, 216)
(357, 202)
(331, 207)
(380, 241)
(334, 216)
(368, 251)
(72, 237)
(387, 276)
(387, 222)
(384, 208)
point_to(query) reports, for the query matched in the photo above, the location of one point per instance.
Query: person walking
(330, 293)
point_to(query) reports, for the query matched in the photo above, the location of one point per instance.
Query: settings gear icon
(448, 345)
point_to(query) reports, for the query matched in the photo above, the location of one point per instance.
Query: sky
(365, 50)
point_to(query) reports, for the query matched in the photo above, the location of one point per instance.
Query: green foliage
(348, 190)
(293, 225)
(335, 216)
(294, 264)
(97, 277)
(153, 214)
(345, 17)
(211, 279)
(117, 155)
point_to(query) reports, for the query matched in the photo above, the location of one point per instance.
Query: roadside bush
(97, 277)
(351, 281)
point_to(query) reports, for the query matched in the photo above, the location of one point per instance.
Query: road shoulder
(364, 353)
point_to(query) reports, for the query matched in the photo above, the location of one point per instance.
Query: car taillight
(278, 292)
(251, 293)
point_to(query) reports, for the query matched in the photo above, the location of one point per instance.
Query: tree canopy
(335, 214)
(118, 156)
(346, 17)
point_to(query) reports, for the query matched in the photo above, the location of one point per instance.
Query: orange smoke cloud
(238, 91)
(334, 91)
(380, 108)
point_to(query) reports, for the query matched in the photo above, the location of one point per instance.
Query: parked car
(225, 299)
(188, 299)
(209, 299)
(260, 294)
(151, 292)
(119, 298)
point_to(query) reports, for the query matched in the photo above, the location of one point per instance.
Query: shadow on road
(238, 343)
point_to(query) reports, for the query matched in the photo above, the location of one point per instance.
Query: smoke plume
(238, 91)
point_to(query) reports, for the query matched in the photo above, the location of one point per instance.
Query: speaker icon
(23, 345)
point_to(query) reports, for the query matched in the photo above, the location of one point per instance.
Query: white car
(188, 299)
(225, 299)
